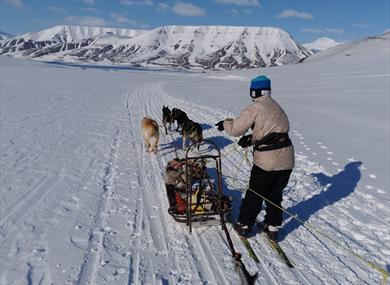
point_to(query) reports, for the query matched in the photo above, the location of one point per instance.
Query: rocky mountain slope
(203, 47)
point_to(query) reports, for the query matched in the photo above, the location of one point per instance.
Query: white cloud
(310, 30)
(182, 9)
(234, 12)
(336, 31)
(16, 3)
(121, 20)
(161, 7)
(57, 9)
(239, 2)
(90, 9)
(363, 26)
(188, 9)
(89, 2)
(85, 21)
(291, 13)
(386, 31)
(136, 2)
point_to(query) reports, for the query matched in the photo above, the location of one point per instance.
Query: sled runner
(194, 186)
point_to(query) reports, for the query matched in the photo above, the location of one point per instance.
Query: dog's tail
(154, 123)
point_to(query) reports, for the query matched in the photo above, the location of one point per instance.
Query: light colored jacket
(267, 117)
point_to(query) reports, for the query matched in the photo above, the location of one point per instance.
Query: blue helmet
(260, 85)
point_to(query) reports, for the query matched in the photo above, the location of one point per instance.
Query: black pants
(269, 184)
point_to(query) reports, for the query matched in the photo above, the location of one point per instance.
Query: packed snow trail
(325, 245)
(199, 114)
(83, 203)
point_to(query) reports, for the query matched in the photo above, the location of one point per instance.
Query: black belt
(272, 141)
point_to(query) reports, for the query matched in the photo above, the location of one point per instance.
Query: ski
(250, 250)
(279, 251)
(245, 242)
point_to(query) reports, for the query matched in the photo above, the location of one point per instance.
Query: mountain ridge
(70, 33)
(190, 47)
(4, 35)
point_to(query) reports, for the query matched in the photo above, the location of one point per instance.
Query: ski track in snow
(153, 227)
(115, 221)
(304, 169)
(153, 108)
(88, 268)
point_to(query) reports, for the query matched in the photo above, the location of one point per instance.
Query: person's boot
(272, 232)
(243, 231)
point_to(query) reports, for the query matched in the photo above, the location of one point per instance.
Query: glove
(219, 125)
(245, 141)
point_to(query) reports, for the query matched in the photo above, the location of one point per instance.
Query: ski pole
(245, 277)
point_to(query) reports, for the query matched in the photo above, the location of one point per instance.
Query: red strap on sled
(180, 204)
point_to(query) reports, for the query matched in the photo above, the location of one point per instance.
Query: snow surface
(83, 203)
(321, 44)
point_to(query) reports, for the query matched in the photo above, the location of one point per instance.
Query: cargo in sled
(194, 186)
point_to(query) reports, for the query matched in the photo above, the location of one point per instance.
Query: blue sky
(305, 20)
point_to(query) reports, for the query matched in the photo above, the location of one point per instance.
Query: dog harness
(272, 141)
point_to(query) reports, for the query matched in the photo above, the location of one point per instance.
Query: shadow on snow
(221, 141)
(205, 126)
(336, 187)
(234, 194)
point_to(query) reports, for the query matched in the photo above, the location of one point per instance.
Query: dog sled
(194, 186)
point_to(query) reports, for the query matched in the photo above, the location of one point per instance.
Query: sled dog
(191, 130)
(179, 116)
(150, 132)
(167, 118)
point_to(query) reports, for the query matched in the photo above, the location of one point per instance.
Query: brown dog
(191, 130)
(151, 134)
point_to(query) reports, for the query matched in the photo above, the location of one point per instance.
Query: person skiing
(273, 157)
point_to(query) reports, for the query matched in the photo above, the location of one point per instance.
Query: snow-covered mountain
(66, 34)
(208, 47)
(4, 36)
(360, 48)
(60, 39)
(321, 44)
